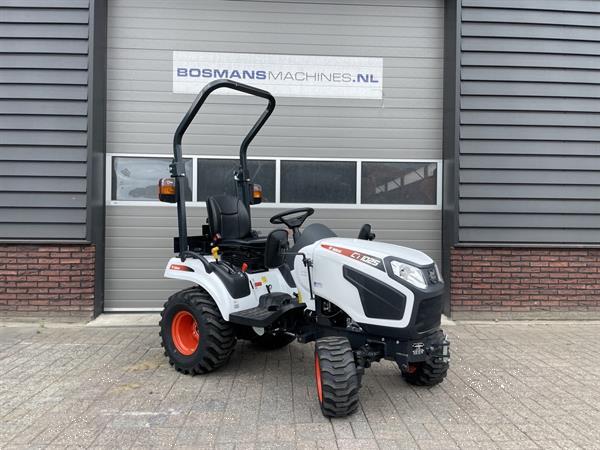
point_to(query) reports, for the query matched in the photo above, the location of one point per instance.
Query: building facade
(478, 142)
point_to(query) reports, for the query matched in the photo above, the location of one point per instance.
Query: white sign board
(282, 75)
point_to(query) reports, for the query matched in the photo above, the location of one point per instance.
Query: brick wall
(41, 280)
(524, 281)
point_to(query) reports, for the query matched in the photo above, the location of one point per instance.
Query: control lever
(308, 264)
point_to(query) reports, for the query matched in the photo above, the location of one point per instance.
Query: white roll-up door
(375, 160)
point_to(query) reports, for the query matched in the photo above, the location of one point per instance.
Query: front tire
(194, 335)
(336, 376)
(428, 373)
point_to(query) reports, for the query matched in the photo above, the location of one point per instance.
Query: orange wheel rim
(184, 331)
(318, 378)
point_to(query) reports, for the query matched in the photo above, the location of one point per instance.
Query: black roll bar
(242, 177)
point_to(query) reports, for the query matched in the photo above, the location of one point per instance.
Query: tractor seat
(228, 217)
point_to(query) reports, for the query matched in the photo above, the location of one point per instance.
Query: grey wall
(142, 112)
(43, 119)
(529, 122)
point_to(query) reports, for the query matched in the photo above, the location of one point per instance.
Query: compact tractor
(359, 300)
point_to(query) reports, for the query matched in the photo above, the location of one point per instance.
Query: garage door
(357, 160)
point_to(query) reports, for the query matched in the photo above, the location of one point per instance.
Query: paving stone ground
(517, 385)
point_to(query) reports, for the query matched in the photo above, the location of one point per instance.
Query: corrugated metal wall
(142, 113)
(43, 119)
(530, 122)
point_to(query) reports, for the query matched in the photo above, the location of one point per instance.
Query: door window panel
(318, 182)
(136, 178)
(399, 183)
(215, 177)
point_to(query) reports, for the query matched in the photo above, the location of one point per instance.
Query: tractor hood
(358, 276)
(371, 251)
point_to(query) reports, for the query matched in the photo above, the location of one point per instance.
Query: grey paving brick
(194, 437)
(410, 445)
(274, 433)
(342, 429)
(307, 445)
(314, 431)
(275, 446)
(114, 438)
(357, 444)
(156, 438)
(437, 445)
(236, 433)
(112, 388)
(362, 430)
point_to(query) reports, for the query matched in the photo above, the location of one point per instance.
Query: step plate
(262, 317)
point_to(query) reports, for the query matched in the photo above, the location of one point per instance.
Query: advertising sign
(282, 75)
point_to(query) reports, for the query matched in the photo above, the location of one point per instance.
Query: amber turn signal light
(167, 190)
(256, 194)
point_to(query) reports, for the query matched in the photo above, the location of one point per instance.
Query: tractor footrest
(271, 307)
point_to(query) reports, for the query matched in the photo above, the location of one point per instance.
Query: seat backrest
(277, 243)
(228, 217)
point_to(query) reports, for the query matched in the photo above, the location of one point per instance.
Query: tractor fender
(194, 271)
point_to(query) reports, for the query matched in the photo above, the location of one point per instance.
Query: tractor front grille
(378, 299)
(429, 314)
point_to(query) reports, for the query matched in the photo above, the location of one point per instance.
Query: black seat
(277, 244)
(228, 218)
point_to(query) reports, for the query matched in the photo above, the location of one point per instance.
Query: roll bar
(242, 176)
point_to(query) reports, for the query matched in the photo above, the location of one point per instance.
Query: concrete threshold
(526, 322)
(36, 322)
(149, 319)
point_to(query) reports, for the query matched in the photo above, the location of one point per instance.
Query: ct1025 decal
(372, 261)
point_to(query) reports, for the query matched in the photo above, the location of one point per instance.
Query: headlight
(409, 274)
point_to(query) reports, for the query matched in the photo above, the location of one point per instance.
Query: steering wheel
(295, 222)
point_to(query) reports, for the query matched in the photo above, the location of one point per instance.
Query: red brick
(59, 278)
(559, 264)
(525, 279)
(47, 278)
(49, 260)
(520, 308)
(37, 290)
(81, 290)
(27, 307)
(47, 249)
(481, 308)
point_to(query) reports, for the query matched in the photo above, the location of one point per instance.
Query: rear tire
(194, 335)
(337, 378)
(428, 373)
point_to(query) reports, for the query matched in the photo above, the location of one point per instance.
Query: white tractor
(359, 300)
